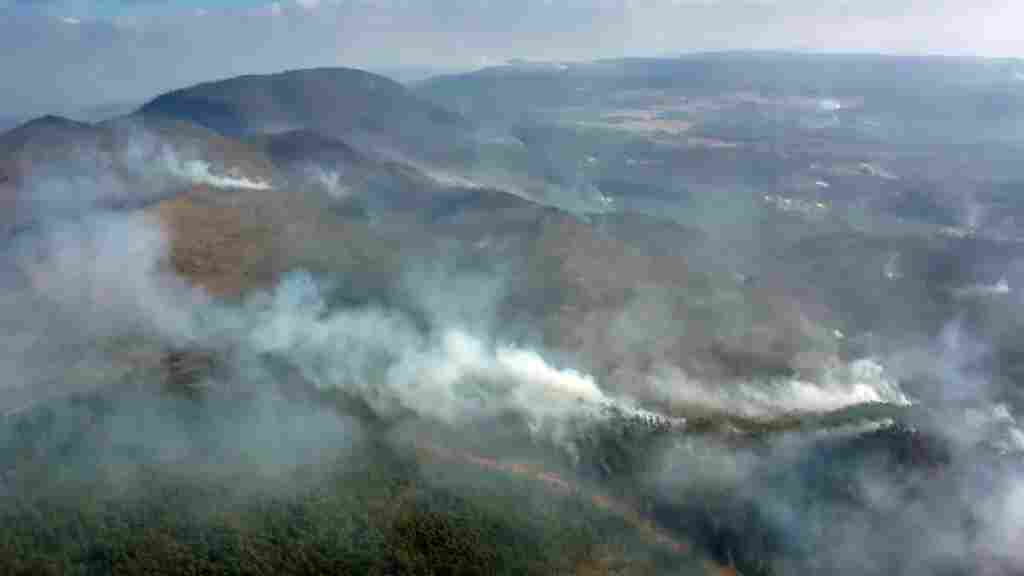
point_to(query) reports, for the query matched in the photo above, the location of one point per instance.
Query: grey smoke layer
(86, 301)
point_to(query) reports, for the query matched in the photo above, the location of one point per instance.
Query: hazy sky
(59, 55)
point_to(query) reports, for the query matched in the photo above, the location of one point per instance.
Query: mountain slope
(335, 102)
(55, 167)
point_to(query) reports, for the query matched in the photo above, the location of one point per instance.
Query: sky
(66, 55)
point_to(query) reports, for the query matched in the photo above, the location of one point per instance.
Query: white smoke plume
(451, 374)
(330, 180)
(198, 172)
(148, 156)
(109, 271)
(91, 303)
(109, 275)
(134, 168)
(70, 289)
(861, 382)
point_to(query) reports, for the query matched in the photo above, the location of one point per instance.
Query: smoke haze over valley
(587, 311)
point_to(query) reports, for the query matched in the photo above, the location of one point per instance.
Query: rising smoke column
(449, 374)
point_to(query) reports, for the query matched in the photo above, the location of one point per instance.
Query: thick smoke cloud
(935, 492)
(80, 289)
(450, 373)
(106, 269)
(90, 304)
(108, 275)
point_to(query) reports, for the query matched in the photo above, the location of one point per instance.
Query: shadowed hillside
(334, 102)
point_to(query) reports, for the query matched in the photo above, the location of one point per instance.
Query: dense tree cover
(373, 509)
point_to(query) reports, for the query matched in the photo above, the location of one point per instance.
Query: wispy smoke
(198, 172)
(329, 180)
(147, 156)
(128, 167)
(68, 289)
(91, 304)
(841, 386)
(109, 271)
(935, 493)
(810, 377)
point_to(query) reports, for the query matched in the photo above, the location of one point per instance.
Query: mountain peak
(339, 103)
(48, 122)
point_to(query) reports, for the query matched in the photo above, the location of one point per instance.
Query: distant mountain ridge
(926, 92)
